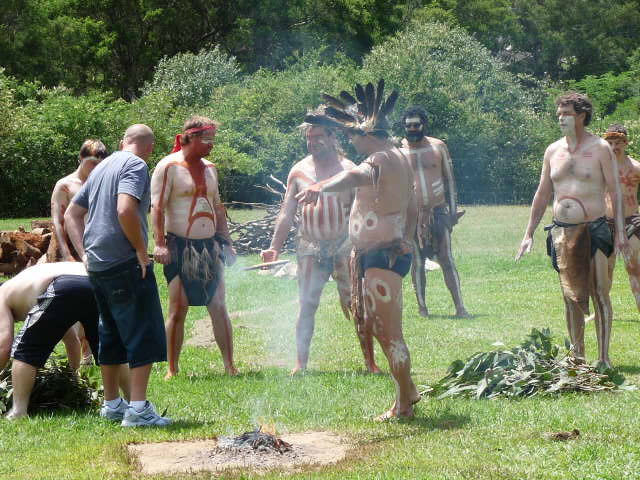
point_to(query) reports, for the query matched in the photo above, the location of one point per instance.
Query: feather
(333, 101)
(362, 100)
(340, 115)
(323, 121)
(387, 108)
(379, 97)
(348, 98)
(370, 95)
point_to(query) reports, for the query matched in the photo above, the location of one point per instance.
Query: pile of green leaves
(57, 387)
(535, 366)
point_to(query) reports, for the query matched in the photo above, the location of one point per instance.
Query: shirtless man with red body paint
(323, 246)
(578, 171)
(92, 152)
(192, 238)
(629, 171)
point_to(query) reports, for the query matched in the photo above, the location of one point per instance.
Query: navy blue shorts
(68, 299)
(380, 259)
(131, 327)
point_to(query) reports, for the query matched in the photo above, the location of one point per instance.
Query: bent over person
(577, 170)
(116, 199)
(381, 226)
(629, 172)
(323, 246)
(49, 298)
(437, 208)
(192, 237)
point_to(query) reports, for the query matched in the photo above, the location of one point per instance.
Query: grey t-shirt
(104, 241)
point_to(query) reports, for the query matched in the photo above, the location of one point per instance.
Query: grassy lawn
(449, 439)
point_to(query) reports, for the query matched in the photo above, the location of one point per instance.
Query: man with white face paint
(323, 245)
(437, 209)
(381, 226)
(629, 172)
(578, 170)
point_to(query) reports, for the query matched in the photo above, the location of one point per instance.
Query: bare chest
(583, 167)
(193, 181)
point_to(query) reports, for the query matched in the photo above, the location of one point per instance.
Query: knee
(308, 306)
(178, 312)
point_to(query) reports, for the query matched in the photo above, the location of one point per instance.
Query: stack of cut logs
(251, 237)
(20, 249)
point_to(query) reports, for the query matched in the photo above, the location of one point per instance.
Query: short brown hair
(93, 148)
(580, 103)
(196, 121)
(617, 128)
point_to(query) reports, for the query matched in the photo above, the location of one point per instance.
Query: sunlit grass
(449, 439)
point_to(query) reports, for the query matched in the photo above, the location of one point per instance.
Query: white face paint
(567, 120)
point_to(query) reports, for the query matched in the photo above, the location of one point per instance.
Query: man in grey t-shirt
(113, 245)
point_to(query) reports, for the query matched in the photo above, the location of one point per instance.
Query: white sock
(138, 405)
(115, 403)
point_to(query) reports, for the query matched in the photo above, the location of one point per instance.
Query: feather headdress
(365, 113)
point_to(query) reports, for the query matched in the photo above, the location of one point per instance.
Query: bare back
(21, 292)
(189, 193)
(578, 178)
(328, 218)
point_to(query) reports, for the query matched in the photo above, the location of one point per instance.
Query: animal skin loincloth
(324, 251)
(431, 227)
(571, 247)
(198, 263)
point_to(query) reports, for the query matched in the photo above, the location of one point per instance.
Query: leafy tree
(487, 119)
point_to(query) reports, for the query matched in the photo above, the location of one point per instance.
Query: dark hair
(196, 121)
(415, 111)
(616, 127)
(580, 103)
(93, 148)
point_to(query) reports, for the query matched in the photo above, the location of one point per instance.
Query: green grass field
(448, 439)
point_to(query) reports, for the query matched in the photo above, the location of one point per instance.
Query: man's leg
(311, 281)
(6, 334)
(23, 377)
(600, 286)
(419, 277)
(383, 312)
(451, 278)
(178, 308)
(222, 329)
(632, 265)
(139, 381)
(73, 347)
(342, 277)
(110, 381)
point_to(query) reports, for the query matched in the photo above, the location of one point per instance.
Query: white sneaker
(147, 417)
(116, 414)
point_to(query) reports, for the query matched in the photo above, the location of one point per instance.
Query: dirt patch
(308, 449)
(202, 331)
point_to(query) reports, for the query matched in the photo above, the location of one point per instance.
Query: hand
(525, 247)
(143, 261)
(229, 255)
(622, 246)
(162, 255)
(269, 255)
(310, 194)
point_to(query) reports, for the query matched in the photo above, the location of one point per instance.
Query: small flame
(268, 428)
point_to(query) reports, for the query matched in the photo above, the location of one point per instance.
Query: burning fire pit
(257, 440)
(257, 451)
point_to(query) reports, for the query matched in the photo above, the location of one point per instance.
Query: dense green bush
(487, 118)
(190, 79)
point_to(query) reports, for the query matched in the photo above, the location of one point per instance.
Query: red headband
(177, 146)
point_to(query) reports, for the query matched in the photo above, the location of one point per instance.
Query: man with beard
(578, 170)
(437, 209)
(381, 226)
(629, 172)
(323, 246)
(192, 238)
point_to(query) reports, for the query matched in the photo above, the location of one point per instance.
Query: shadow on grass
(629, 369)
(440, 421)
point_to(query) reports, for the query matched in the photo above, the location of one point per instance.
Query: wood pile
(20, 249)
(254, 236)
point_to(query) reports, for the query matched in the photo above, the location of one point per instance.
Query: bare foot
(13, 415)
(374, 369)
(297, 370)
(170, 374)
(424, 312)
(603, 365)
(231, 371)
(394, 414)
(462, 313)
